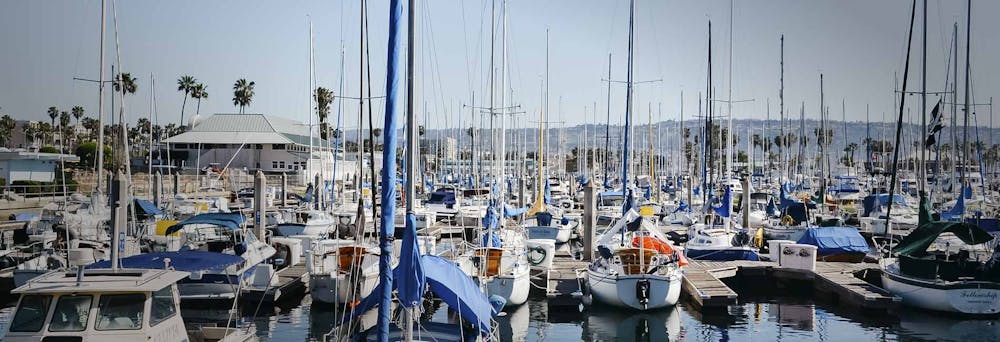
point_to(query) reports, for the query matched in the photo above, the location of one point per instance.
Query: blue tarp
(228, 220)
(25, 216)
(491, 218)
(308, 197)
(147, 208)
(835, 240)
(509, 211)
(442, 197)
(186, 261)
(457, 290)
(543, 219)
(956, 212)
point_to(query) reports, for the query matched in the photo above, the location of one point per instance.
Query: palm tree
(91, 125)
(64, 120)
(185, 84)
(53, 114)
(30, 131)
(7, 125)
(243, 93)
(78, 113)
(199, 91)
(323, 97)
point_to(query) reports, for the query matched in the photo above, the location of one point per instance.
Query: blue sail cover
(308, 197)
(723, 209)
(873, 202)
(186, 261)
(548, 193)
(409, 274)
(835, 240)
(229, 220)
(772, 209)
(956, 212)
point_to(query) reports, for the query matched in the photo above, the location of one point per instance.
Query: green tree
(199, 91)
(243, 93)
(78, 113)
(323, 97)
(7, 125)
(185, 84)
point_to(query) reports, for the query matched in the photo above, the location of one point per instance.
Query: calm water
(765, 319)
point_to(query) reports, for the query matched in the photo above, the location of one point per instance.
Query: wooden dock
(834, 280)
(292, 280)
(559, 283)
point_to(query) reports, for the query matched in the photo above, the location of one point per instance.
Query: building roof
(28, 155)
(247, 128)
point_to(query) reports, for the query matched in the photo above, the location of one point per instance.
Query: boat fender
(536, 255)
(642, 291)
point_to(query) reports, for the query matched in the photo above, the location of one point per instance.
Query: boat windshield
(120, 311)
(612, 201)
(30, 315)
(72, 313)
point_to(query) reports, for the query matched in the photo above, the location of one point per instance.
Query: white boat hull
(513, 287)
(340, 289)
(620, 291)
(963, 300)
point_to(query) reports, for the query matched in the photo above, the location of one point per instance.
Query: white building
(31, 166)
(257, 142)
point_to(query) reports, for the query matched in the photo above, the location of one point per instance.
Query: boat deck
(292, 280)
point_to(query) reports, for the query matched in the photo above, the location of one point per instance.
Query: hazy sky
(857, 44)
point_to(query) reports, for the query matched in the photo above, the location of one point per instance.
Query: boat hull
(620, 290)
(513, 287)
(972, 297)
(725, 254)
(339, 289)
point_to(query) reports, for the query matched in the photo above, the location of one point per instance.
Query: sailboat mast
(628, 110)
(965, 124)
(923, 106)
(607, 129)
(100, 107)
(781, 109)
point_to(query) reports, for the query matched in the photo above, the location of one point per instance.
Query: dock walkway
(837, 280)
(291, 280)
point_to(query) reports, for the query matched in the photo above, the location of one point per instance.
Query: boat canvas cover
(448, 282)
(187, 261)
(229, 220)
(835, 240)
(147, 208)
(915, 244)
(872, 202)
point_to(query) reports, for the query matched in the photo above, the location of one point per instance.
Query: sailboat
(636, 267)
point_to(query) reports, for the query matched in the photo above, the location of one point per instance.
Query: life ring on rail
(536, 255)
(787, 220)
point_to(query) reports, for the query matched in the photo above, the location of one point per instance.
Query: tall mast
(965, 124)
(729, 103)
(628, 110)
(781, 109)
(923, 107)
(312, 90)
(607, 128)
(100, 108)
(822, 130)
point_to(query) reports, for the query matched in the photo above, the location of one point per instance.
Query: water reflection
(609, 324)
(914, 325)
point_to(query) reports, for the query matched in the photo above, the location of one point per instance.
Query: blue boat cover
(186, 261)
(456, 289)
(449, 283)
(445, 197)
(147, 207)
(869, 202)
(611, 193)
(835, 240)
(956, 212)
(509, 211)
(25, 216)
(723, 209)
(229, 220)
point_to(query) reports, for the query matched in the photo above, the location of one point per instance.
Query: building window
(281, 164)
(274, 165)
(278, 147)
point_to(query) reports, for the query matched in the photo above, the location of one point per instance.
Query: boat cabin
(99, 305)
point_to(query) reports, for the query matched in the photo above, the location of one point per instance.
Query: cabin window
(71, 314)
(31, 313)
(120, 312)
(163, 305)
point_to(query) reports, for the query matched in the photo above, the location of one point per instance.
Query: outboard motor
(642, 292)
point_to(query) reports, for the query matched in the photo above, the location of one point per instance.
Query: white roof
(247, 128)
(26, 155)
(102, 280)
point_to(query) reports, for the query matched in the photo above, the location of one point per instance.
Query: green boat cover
(915, 244)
